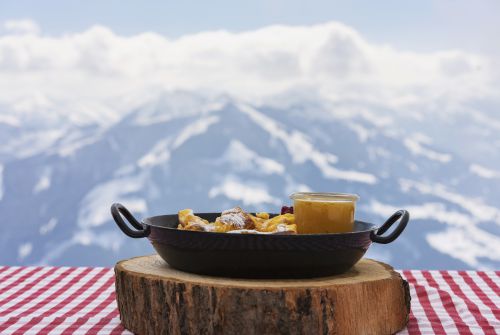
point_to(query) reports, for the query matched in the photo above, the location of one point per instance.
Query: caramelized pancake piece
(285, 229)
(234, 218)
(262, 215)
(188, 219)
(281, 223)
(199, 227)
(259, 219)
(183, 216)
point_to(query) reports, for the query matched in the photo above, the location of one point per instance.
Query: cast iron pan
(254, 255)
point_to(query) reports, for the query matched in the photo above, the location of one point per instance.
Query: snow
(302, 188)
(476, 207)
(427, 211)
(244, 159)
(246, 193)
(350, 175)
(484, 120)
(484, 172)
(68, 149)
(366, 115)
(292, 186)
(107, 240)
(198, 127)
(174, 105)
(363, 133)
(462, 238)
(375, 153)
(415, 145)
(159, 154)
(43, 182)
(269, 166)
(48, 227)
(24, 251)
(468, 244)
(94, 208)
(143, 119)
(301, 149)
(32, 143)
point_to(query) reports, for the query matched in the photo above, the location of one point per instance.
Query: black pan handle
(403, 217)
(117, 210)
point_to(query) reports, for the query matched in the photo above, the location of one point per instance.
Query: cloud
(59, 77)
(21, 27)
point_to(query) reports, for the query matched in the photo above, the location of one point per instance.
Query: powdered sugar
(281, 229)
(234, 217)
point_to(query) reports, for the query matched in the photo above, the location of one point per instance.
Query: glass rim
(327, 196)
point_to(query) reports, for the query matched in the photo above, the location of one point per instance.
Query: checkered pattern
(64, 300)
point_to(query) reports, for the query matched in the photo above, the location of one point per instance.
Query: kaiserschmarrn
(237, 221)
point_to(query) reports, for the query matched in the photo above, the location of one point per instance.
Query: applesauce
(319, 213)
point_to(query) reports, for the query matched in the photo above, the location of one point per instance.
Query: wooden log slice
(154, 298)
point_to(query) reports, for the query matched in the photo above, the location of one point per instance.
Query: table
(81, 300)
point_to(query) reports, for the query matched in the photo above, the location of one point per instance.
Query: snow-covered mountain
(181, 150)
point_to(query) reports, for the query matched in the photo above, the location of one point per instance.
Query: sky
(415, 25)
(92, 61)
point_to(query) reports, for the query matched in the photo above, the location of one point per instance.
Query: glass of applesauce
(319, 213)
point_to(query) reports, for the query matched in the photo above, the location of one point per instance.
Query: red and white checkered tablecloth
(65, 300)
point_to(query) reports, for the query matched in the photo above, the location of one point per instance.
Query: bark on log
(154, 298)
